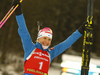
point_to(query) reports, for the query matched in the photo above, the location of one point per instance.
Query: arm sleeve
(61, 47)
(24, 34)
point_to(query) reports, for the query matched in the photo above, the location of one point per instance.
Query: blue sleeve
(24, 34)
(61, 47)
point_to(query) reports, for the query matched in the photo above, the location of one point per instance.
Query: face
(46, 41)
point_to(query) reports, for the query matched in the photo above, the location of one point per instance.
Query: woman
(38, 56)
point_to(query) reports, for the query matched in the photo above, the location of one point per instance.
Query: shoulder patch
(51, 48)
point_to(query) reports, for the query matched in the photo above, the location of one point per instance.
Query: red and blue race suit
(37, 60)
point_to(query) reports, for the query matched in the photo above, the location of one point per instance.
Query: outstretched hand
(15, 2)
(18, 11)
(82, 28)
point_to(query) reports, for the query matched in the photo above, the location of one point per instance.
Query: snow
(79, 59)
(12, 67)
(54, 71)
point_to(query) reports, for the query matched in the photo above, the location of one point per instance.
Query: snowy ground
(14, 66)
(55, 69)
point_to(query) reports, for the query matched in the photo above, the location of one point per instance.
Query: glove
(18, 11)
(82, 28)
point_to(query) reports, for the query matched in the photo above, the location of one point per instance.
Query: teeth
(45, 44)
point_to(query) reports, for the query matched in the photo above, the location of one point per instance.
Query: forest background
(62, 16)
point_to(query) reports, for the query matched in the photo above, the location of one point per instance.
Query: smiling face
(45, 41)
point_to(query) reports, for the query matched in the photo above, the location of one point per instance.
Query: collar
(39, 45)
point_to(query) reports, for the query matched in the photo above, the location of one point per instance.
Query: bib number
(41, 64)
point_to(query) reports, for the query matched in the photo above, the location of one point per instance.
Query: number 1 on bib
(41, 64)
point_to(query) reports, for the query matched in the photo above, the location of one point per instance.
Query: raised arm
(58, 49)
(24, 34)
(22, 30)
(61, 47)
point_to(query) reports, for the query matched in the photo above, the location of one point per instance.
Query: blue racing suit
(29, 46)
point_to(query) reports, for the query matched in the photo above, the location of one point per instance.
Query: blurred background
(62, 16)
